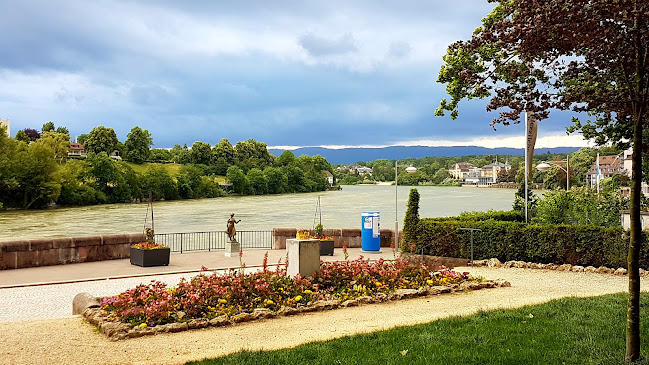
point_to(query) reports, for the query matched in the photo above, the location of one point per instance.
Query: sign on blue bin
(371, 231)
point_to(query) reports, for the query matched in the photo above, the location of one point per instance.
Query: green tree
(180, 155)
(101, 139)
(238, 179)
(532, 55)
(277, 181)
(190, 183)
(76, 185)
(410, 221)
(137, 145)
(286, 158)
(58, 142)
(200, 153)
(48, 127)
(157, 181)
(22, 136)
(258, 181)
(250, 153)
(63, 130)
(223, 153)
(35, 176)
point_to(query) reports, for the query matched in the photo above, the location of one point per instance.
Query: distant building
(77, 150)
(460, 170)
(363, 170)
(330, 178)
(489, 173)
(608, 166)
(5, 123)
(115, 155)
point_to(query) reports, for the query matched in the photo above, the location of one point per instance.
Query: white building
(5, 123)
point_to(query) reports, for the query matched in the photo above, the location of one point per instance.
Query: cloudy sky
(287, 73)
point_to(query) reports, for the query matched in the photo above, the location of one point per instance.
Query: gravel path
(72, 341)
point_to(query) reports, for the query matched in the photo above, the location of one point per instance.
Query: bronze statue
(231, 230)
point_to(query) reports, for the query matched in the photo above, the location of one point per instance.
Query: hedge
(511, 240)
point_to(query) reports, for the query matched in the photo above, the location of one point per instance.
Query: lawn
(565, 331)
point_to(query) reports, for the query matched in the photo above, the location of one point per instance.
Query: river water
(340, 209)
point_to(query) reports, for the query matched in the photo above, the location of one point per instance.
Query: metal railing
(215, 240)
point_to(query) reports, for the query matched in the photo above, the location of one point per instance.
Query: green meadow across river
(340, 209)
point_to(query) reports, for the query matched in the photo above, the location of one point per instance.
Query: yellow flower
(222, 301)
(268, 302)
(308, 291)
(143, 325)
(378, 283)
(430, 282)
(298, 298)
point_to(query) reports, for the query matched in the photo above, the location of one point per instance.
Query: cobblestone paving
(55, 301)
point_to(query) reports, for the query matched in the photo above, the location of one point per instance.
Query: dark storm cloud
(286, 73)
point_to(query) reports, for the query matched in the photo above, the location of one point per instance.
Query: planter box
(326, 247)
(148, 258)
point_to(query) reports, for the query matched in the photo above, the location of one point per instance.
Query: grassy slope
(566, 331)
(172, 169)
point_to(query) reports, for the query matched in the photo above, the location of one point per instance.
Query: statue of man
(231, 230)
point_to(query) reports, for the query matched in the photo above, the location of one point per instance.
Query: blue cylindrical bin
(371, 231)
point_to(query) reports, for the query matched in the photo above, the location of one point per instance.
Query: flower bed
(213, 299)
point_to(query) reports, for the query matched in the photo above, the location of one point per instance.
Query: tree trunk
(633, 311)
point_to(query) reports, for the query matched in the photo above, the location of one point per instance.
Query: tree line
(435, 170)
(36, 171)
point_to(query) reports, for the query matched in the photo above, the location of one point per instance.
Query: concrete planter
(303, 257)
(148, 258)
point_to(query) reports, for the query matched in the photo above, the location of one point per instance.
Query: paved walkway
(47, 292)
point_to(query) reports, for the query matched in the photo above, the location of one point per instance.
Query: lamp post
(545, 166)
(410, 169)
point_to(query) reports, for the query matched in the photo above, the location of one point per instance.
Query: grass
(172, 169)
(565, 331)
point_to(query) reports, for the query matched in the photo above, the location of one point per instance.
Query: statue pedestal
(232, 248)
(303, 257)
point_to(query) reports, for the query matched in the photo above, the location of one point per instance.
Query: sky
(287, 73)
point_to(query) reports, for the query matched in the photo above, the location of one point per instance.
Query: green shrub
(510, 240)
(411, 220)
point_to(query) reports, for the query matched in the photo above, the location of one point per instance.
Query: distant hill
(352, 155)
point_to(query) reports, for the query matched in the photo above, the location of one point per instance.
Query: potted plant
(326, 242)
(149, 253)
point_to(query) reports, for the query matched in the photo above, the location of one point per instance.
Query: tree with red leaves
(586, 56)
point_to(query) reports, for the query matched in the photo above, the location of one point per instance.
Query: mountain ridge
(352, 155)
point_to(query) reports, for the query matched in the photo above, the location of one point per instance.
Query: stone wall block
(26, 259)
(136, 237)
(8, 260)
(64, 242)
(86, 241)
(16, 246)
(68, 255)
(115, 239)
(48, 257)
(41, 244)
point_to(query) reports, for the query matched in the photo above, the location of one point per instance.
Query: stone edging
(116, 330)
(494, 262)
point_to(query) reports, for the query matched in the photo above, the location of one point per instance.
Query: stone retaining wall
(350, 237)
(68, 250)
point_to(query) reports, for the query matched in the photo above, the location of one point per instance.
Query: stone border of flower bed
(116, 330)
(494, 262)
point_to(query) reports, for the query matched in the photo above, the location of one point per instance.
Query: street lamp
(411, 169)
(545, 166)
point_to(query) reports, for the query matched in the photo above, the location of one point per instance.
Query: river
(340, 209)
